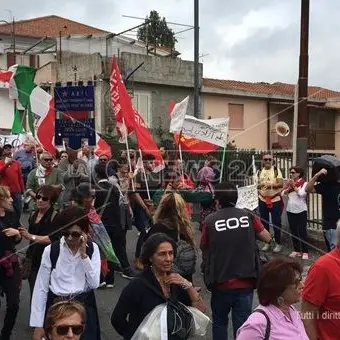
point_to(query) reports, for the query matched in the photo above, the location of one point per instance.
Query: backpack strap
(55, 251)
(268, 326)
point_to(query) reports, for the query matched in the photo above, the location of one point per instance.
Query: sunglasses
(44, 198)
(103, 159)
(48, 159)
(267, 159)
(73, 234)
(293, 172)
(76, 329)
(63, 156)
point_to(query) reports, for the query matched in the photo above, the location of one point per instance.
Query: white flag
(178, 115)
(214, 131)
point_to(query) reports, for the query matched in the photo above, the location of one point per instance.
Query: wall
(159, 70)
(46, 74)
(3, 62)
(254, 134)
(6, 110)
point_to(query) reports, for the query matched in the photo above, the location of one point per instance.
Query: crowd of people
(81, 207)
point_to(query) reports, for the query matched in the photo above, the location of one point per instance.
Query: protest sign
(247, 197)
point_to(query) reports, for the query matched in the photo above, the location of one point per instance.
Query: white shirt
(297, 200)
(72, 275)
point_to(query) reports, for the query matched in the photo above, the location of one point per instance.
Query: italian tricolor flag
(38, 104)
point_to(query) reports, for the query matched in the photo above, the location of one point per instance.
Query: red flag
(102, 148)
(121, 102)
(144, 138)
(193, 145)
(5, 76)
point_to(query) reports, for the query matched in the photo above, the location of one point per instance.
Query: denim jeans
(275, 213)
(330, 235)
(238, 301)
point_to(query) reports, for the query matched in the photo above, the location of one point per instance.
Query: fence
(238, 168)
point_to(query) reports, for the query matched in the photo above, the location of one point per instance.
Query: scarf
(298, 184)
(42, 172)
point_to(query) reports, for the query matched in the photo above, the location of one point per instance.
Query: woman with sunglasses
(297, 211)
(65, 320)
(279, 288)
(10, 281)
(45, 173)
(41, 230)
(70, 269)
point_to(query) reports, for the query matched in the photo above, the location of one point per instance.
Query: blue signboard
(73, 132)
(74, 98)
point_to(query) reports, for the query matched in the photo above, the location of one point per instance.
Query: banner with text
(214, 131)
(247, 197)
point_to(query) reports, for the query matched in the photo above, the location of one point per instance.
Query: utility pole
(302, 128)
(196, 60)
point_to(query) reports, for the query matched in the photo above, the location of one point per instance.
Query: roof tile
(269, 89)
(49, 26)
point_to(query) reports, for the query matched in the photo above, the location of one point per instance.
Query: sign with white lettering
(16, 140)
(247, 197)
(74, 98)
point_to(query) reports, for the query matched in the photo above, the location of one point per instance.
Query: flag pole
(223, 161)
(181, 158)
(128, 155)
(145, 179)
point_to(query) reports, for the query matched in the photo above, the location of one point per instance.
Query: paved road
(106, 300)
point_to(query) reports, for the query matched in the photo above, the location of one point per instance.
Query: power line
(168, 22)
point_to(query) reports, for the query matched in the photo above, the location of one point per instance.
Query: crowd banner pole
(128, 156)
(145, 179)
(181, 159)
(223, 161)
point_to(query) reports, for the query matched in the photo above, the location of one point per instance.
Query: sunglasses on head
(73, 234)
(44, 198)
(48, 159)
(63, 330)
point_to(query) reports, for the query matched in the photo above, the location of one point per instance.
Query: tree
(156, 32)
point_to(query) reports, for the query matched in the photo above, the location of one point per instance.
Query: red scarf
(298, 184)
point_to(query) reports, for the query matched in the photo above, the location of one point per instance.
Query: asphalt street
(106, 299)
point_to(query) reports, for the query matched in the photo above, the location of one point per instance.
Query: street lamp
(12, 33)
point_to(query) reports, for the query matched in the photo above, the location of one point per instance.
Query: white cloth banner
(247, 197)
(214, 131)
(178, 115)
(16, 140)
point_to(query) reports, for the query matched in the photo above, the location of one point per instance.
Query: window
(141, 100)
(236, 116)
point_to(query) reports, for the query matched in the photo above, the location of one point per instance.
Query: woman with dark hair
(70, 269)
(297, 211)
(153, 287)
(279, 288)
(65, 320)
(41, 230)
(10, 282)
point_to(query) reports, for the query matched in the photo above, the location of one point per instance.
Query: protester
(329, 192)
(146, 183)
(270, 183)
(45, 173)
(297, 211)
(171, 219)
(41, 230)
(229, 253)
(26, 157)
(65, 320)
(109, 163)
(11, 177)
(279, 288)
(70, 269)
(206, 178)
(152, 287)
(10, 281)
(320, 307)
(107, 206)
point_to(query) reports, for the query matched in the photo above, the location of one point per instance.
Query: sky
(246, 40)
